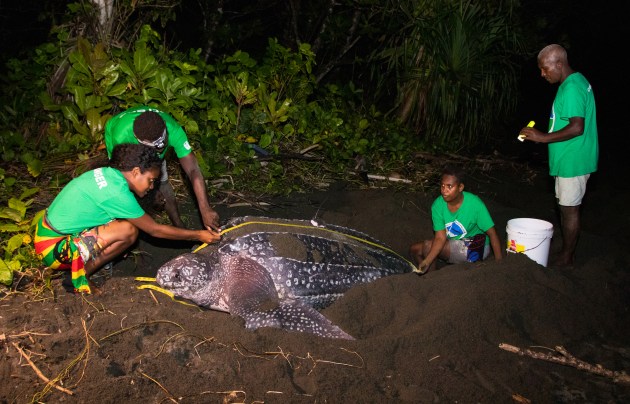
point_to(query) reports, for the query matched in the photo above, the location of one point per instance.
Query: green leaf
(36, 218)
(79, 98)
(191, 127)
(144, 63)
(162, 80)
(6, 273)
(47, 102)
(18, 205)
(79, 63)
(265, 140)
(28, 192)
(27, 157)
(70, 113)
(99, 54)
(94, 120)
(186, 67)
(183, 102)
(116, 90)
(288, 129)
(9, 228)
(14, 243)
(11, 214)
(125, 68)
(110, 69)
(242, 58)
(9, 181)
(35, 167)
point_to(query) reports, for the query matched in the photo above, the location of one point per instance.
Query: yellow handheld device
(529, 125)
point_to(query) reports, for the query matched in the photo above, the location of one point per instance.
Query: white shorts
(571, 190)
(460, 252)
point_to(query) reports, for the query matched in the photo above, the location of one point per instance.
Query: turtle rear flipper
(293, 315)
(253, 296)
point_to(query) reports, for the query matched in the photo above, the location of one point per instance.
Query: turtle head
(186, 274)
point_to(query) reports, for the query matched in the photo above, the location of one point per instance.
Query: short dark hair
(456, 172)
(126, 156)
(554, 53)
(148, 126)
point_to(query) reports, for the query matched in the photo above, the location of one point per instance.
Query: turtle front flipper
(252, 296)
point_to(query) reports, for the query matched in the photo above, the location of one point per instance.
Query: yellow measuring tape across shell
(222, 232)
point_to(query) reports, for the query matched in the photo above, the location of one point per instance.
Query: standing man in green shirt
(572, 139)
(155, 128)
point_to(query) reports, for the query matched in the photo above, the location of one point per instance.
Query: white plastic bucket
(531, 237)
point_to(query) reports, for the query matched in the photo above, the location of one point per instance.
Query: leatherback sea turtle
(278, 272)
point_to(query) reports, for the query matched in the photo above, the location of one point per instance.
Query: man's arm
(573, 129)
(193, 172)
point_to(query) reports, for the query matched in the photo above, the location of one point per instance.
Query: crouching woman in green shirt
(96, 216)
(464, 230)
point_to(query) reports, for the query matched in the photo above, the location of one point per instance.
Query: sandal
(88, 246)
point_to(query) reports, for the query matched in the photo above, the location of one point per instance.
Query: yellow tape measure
(222, 232)
(303, 226)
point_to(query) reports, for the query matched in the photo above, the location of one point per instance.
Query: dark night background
(425, 339)
(590, 31)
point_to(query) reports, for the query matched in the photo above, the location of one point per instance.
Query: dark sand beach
(419, 339)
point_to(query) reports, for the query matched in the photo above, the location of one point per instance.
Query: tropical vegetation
(340, 82)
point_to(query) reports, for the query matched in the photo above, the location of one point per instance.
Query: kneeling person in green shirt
(155, 128)
(464, 230)
(96, 216)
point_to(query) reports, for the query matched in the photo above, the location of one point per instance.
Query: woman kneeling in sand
(461, 222)
(96, 216)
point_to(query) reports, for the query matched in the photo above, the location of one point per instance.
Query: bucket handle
(533, 248)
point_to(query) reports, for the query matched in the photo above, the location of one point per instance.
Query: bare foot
(95, 290)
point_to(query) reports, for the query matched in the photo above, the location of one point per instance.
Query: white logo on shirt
(100, 179)
(187, 145)
(455, 230)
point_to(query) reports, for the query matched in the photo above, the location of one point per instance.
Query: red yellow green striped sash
(59, 252)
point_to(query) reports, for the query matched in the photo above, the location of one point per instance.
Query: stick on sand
(567, 359)
(38, 372)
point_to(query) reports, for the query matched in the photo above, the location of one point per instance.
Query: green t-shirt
(92, 199)
(119, 130)
(470, 219)
(577, 156)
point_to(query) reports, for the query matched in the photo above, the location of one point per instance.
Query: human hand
(210, 218)
(521, 136)
(422, 267)
(209, 236)
(531, 134)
